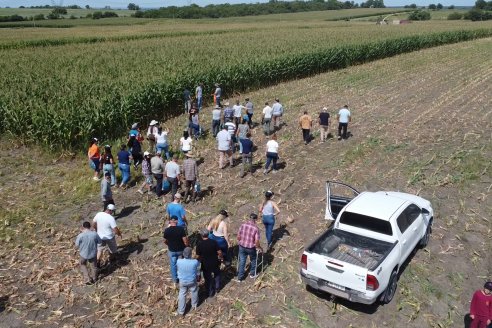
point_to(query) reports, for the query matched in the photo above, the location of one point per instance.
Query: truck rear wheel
(425, 239)
(391, 289)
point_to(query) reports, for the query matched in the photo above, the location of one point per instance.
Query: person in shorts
(105, 226)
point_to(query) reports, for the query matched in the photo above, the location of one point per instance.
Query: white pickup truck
(359, 257)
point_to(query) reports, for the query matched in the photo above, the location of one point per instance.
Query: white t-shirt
(343, 115)
(272, 146)
(185, 143)
(105, 225)
(216, 114)
(267, 112)
(237, 110)
(224, 140)
(161, 138)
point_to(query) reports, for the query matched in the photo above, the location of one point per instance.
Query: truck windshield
(366, 222)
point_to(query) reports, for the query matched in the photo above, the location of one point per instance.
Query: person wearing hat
(151, 134)
(147, 173)
(157, 168)
(268, 210)
(324, 124)
(481, 307)
(177, 210)
(218, 228)
(217, 94)
(249, 111)
(216, 117)
(106, 193)
(190, 173)
(188, 276)
(209, 254)
(176, 240)
(94, 158)
(248, 238)
(107, 163)
(87, 242)
(134, 130)
(105, 225)
(277, 112)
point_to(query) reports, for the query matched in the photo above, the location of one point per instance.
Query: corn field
(59, 92)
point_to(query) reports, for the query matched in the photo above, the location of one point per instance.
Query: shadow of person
(120, 259)
(277, 235)
(467, 320)
(3, 302)
(126, 211)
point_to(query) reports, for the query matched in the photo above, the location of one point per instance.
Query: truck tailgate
(337, 274)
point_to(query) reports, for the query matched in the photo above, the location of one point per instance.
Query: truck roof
(379, 205)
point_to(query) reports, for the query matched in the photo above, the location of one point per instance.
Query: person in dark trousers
(324, 124)
(106, 193)
(210, 255)
(344, 117)
(247, 155)
(176, 240)
(306, 123)
(481, 307)
(157, 169)
(87, 242)
(136, 149)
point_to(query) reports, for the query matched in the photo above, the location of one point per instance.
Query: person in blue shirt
(124, 157)
(176, 209)
(188, 276)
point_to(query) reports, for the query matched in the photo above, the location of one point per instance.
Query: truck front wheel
(391, 289)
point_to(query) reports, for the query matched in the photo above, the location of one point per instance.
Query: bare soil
(421, 124)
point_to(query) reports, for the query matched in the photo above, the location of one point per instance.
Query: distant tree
(97, 15)
(38, 17)
(132, 6)
(439, 6)
(59, 11)
(432, 6)
(451, 7)
(87, 7)
(22, 7)
(107, 7)
(419, 15)
(480, 4)
(455, 16)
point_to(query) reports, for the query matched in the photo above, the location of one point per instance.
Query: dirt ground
(421, 124)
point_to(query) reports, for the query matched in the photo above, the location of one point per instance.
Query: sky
(164, 3)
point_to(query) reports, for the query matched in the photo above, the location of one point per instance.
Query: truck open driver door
(337, 196)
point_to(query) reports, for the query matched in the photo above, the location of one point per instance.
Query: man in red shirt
(481, 307)
(249, 240)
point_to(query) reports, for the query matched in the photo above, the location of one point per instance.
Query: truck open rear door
(337, 196)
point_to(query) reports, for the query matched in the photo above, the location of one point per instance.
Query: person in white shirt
(344, 118)
(238, 112)
(224, 141)
(162, 144)
(266, 118)
(271, 154)
(185, 142)
(173, 174)
(105, 226)
(151, 132)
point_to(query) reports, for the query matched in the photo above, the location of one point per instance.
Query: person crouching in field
(87, 242)
(481, 307)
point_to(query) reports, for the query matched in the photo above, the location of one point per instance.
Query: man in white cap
(324, 124)
(151, 134)
(105, 225)
(190, 172)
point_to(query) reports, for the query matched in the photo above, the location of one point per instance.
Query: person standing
(247, 155)
(187, 100)
(269, 210)
(248, 238)
(188, 275)
(266, 118)
(136, 149)
(324, 124)
(176, 240)
(209, 254)
(173, 174)
(107, 163)
(277, 112)
(344, 118)
(106, 193)
(216, 116)
(481, 307)
(217, 94)
(151, 134)
(105, 225)
(242, 130)
(124, 165)
(177, 210)
(190, 172)
(195, 123)
(228, 113)
(162, 144)
(218, 227)
(231, 128)
(157, 168)
(305, 123)
(199, 96)
(224, 141)
(94, 158)
(238, 112)
(87, 242)
(271, 154)
(249, 111)
(147, 173)
(185, 142)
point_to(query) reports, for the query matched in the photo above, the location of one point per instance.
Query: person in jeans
(187, 100)
(173, 174)
(94, 158)
(248, 238)
(190, 172)
(247, 155)
(242, 130)
(266, 119)
(219, 231)
(481, 307)
(268, 210)
(157, 168)
(106, 193)
(277, 112)
(216, 116)
(176, 240)
(105, 225)
(87, 242)
(271, 154)
(344, 118)
(249, 111)
(188, 275)
(124, 165)
(177, 210)
(324, 124)
(107, 163)
(161, 142)
(306, 123)
(209, 254)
